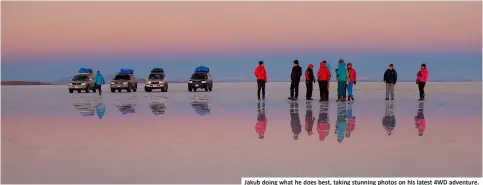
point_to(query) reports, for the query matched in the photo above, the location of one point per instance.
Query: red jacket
(423, 75)
(261, 73)
(323, 73)
(261, 127)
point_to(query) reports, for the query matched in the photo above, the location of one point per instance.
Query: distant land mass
(25, 83)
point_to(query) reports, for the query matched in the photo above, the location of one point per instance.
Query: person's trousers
(310, 88)
(98, 88)
(350, 86)
(389, 90)
(261, 87)
(341, 92)
(324, 89)
(294, 89)
(421, 86)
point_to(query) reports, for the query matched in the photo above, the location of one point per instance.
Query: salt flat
(51, 136)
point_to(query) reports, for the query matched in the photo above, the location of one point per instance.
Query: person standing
(352, 81)
(421, 80)
(390, 78)
(295, 77)
(99, 82)
(342, 80)
(309, 81)
(261, 75)
(323, 76)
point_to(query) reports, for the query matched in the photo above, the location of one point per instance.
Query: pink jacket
(261, 127)
(323, 130)
(352, 75)
(423, 75)
(351, 126)
(421, 125)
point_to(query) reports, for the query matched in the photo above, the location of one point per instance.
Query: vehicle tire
(189, 89)
(164, 89)
(147, 89)
(71, 91)
(194, 89)
(211, 88)
(88, 89)
(128, 88)
(79, 91)
(206, 88)
(119, 90)
(113, 90)
(135, 89)
(94, 89)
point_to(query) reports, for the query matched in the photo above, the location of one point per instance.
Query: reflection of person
(261, 125)
(295, 120)
(420, 120)
(323, 125)
(351, 121)
(389, 120)
(341, 125)
(309, 119)
(261, 74)
(100, 110)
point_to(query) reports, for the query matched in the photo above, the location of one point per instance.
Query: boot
(352, 97)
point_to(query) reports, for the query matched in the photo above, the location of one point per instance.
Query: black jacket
(296, 73)
(309, 75)
(390, 76)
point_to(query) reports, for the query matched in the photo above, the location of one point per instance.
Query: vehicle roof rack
(127, 71)
(202, 69)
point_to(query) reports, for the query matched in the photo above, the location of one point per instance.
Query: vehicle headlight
(203, 82)
(83, 83)
(125, 83)
(70, 83)
(190, 81)
(112, 83)
(148, 82)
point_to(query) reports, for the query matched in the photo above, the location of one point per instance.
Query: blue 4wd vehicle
(156, 80)
(200, 79)
(125, 79)
(83, 81)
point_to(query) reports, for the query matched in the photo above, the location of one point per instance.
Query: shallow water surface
(51, 136)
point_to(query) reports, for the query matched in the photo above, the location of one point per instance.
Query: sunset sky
(60, 37)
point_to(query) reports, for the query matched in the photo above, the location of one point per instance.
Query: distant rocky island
(25, 83)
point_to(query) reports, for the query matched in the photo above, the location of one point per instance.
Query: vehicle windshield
(80, 78)
(122, 77)
(199, 76)
(156, 77)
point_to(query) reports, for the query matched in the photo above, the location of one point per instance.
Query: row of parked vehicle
(126, 80)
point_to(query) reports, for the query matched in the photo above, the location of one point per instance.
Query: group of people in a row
(345, 123)
(346, 77)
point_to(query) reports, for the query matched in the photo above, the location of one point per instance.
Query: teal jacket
(342, 72)
(99, 79)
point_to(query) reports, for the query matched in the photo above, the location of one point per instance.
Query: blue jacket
(99, 79)
(342, 72)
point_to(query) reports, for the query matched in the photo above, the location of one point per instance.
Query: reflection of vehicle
(86, 109)
(201, 106)
(83, 81)
(125, 79)
(156, 80)
(158, 108)
(127, 108)
(200, 79)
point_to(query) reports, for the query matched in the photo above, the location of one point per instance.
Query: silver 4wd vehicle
(83, 81)
(156, 80)
(200, 79)
(124, 80)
